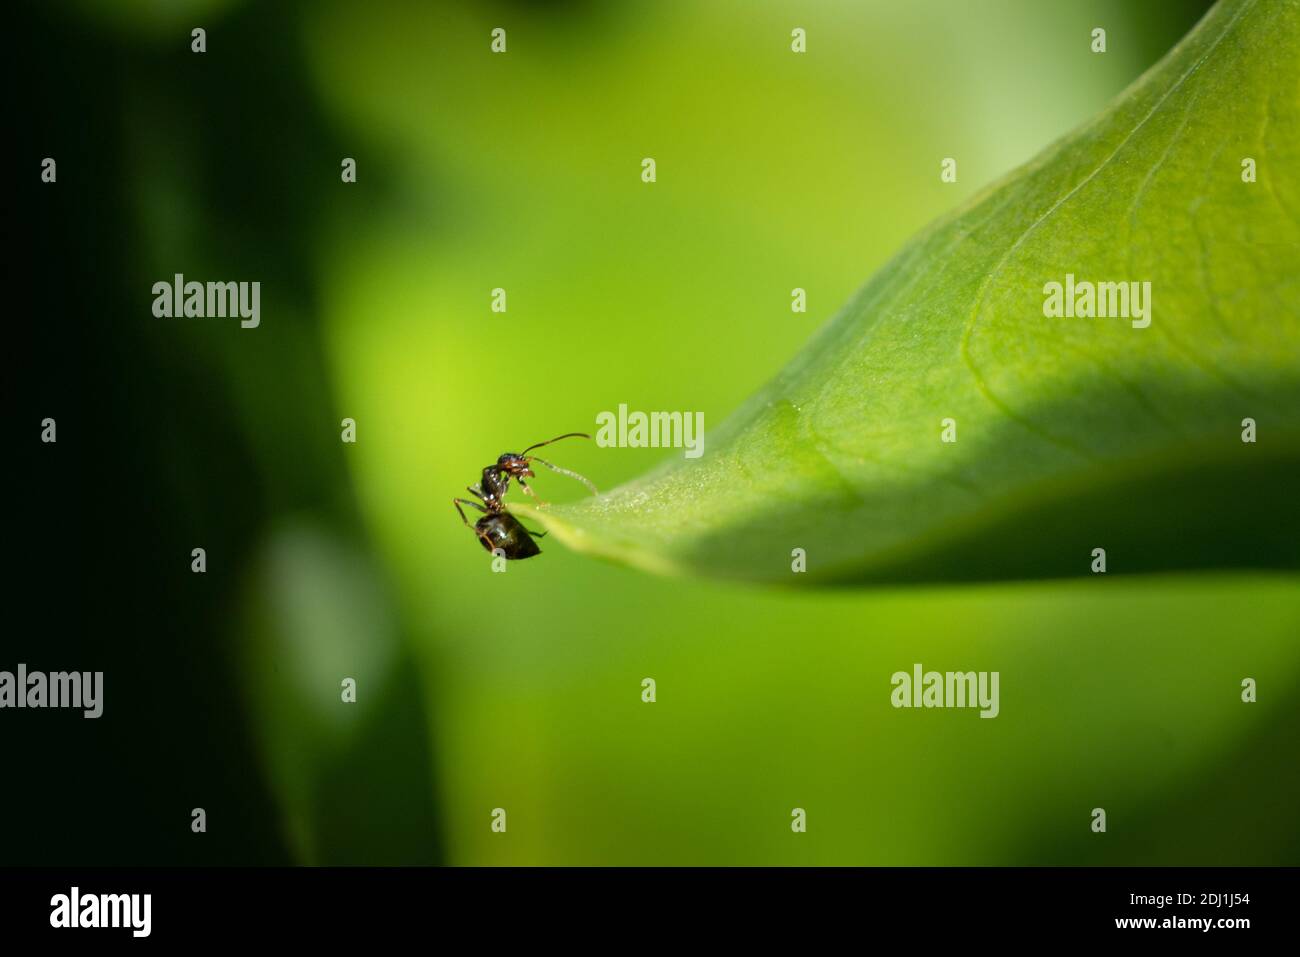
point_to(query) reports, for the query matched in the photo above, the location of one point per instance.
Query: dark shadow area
(151, 459)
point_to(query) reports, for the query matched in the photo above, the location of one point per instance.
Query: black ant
(498, 528)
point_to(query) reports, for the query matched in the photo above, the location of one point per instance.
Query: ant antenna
(566, 435)
(573, 475)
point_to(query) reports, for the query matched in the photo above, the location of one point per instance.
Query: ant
(498, 528)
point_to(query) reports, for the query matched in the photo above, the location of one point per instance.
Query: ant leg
(529, 491)
(474, 490)
(458, 502)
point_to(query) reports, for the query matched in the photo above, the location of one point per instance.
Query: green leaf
(1072, 433)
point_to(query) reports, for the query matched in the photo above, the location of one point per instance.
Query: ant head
(517, 463)
(514, 464)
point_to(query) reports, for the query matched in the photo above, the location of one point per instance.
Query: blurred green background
(523, 690)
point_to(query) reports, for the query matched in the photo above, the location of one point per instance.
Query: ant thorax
(494, 484)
